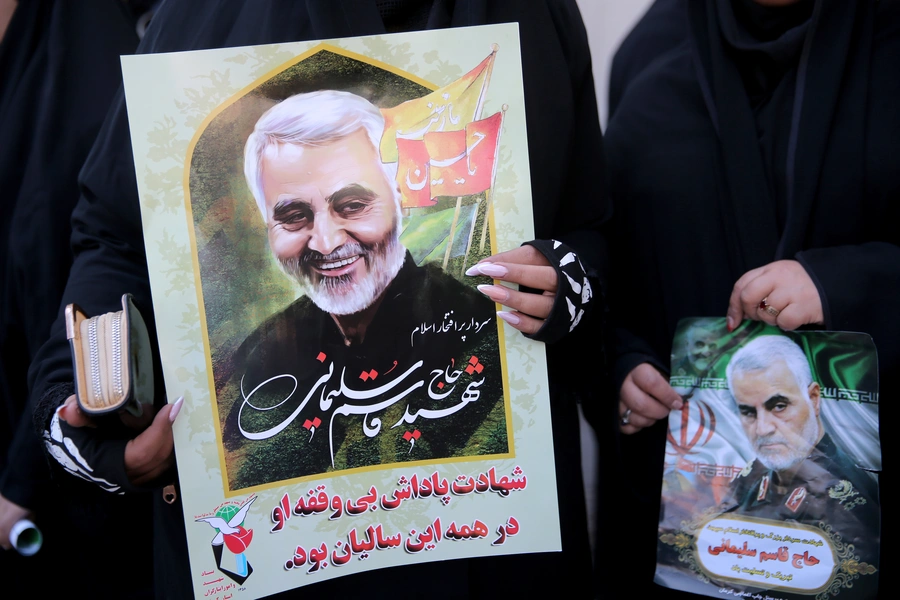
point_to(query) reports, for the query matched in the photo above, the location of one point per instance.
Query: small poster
(770, 487)
(310, 213)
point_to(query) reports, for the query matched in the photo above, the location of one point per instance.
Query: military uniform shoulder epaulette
(848, 497)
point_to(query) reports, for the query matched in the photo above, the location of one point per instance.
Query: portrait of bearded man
(327, 199)
(800, 474)
(380, 360)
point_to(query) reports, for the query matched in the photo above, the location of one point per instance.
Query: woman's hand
(149, 454)
(644, 398)
(523, 266)
(10, 514)
(781, 293)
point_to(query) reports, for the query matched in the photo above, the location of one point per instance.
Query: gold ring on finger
(768, 308)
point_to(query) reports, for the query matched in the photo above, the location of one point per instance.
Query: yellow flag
(449, 108)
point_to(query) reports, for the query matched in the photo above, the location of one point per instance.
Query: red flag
(447, 154)
(445, 109)
(463, 162)
(413, 174)
(482, 146)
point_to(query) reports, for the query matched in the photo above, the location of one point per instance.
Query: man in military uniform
(799, 474)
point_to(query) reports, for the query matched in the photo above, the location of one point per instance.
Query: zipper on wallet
(116, 334)
(94, 350)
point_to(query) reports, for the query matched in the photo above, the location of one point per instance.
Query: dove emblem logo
(231, 535)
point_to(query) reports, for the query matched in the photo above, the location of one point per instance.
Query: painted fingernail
(508, 317)
(730, 321)
(489, 269)
(176, 408)
(497, 293)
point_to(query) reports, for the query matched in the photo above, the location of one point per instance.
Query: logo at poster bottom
(231, 535)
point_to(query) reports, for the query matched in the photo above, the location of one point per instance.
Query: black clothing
(569, 205)
(767, 23)
(426, 318)
(59, 70)
(764, 44)
(708, 185)
(405, 15)
(574, 300)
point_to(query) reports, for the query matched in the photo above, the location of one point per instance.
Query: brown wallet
(112, 359)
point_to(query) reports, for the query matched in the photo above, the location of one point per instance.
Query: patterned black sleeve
(574, 292)
(87, 453)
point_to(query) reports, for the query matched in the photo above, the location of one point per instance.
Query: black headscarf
(783, 94)
(765, 44)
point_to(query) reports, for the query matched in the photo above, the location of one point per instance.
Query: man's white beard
(798, 449)
(340, 295)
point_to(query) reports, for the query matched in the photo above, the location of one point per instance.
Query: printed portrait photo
(336, 206)
(770, 480)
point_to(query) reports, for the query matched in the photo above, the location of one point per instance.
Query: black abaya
(720, 163)
(59, 70)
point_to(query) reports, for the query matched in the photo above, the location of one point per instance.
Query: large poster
(310, 213)
(770, 487)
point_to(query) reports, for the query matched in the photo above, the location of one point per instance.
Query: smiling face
(700, 344)
(333, 220)
(780, 421)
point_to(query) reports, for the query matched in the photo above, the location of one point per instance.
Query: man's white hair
(766, 350)
(310, 119)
